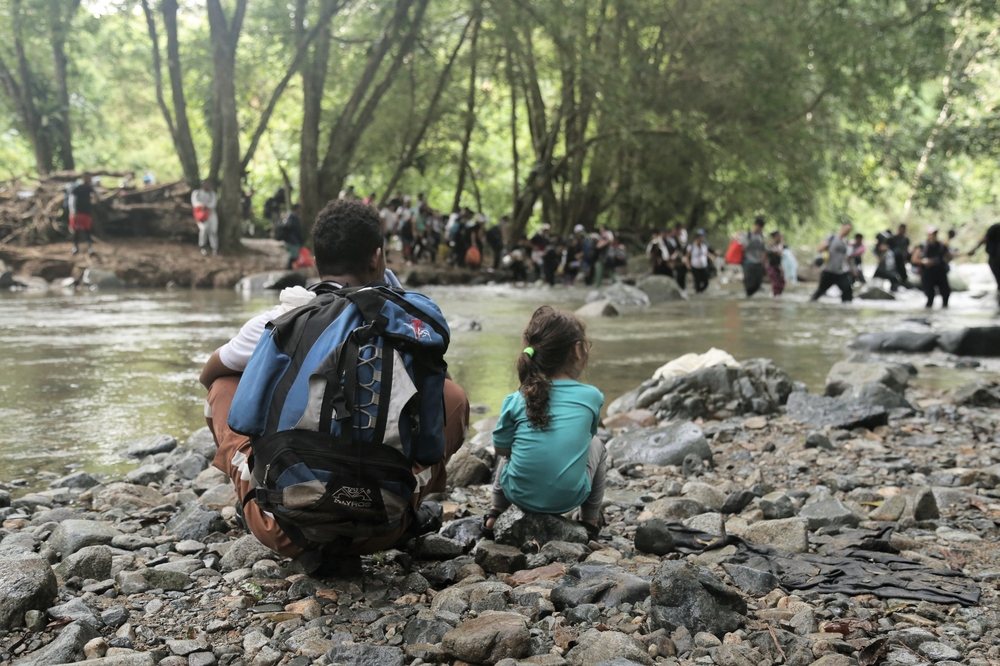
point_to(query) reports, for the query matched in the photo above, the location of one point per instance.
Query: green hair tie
(530, 351)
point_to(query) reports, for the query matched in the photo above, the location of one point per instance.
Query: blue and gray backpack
(340, 398)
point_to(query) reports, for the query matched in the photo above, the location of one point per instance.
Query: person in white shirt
(699, 256)
(345, 233)
(208, 230)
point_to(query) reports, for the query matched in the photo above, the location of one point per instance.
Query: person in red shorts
(81, 211)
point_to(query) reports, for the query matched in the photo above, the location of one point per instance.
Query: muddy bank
(152, 263)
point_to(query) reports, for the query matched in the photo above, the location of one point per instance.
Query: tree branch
(157, 75)
(300, 54)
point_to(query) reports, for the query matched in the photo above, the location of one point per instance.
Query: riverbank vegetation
(633, 113)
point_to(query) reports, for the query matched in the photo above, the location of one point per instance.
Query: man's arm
(214, 369)
(982, 242)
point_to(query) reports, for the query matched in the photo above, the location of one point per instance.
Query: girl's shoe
(494, 514)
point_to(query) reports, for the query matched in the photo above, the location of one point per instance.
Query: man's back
(82, 195)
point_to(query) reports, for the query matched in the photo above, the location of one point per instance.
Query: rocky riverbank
(749, 523)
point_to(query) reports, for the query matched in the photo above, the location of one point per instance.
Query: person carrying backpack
(837, 269)
(81, 210)
(333, 413)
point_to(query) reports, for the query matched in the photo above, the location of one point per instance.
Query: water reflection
(82, 373)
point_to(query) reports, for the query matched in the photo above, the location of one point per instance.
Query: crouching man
(333, 413)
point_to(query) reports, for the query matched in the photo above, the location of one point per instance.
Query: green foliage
(632, 113)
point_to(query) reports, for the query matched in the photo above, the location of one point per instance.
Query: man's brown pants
(235, 446)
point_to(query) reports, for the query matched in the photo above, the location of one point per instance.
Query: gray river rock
(668, 445)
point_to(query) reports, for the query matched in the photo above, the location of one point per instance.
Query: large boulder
(791, 534)
(627, 401)
(978, 394)
(196, 521)
(878, 395)
(467, 469)
(620, 294)
(67, 648)
(981, 341)
(684, 595)
(870, 292)
(26, 583)
(202, 442)
(516, 527)
(896, 341)
(847, 375)
(653, 536)
(92, 562)
(220, 496)
(594, 648)
(489, 638)
(72, 535)
(360, 654)
(95, 278)
(592, 583)
(127, 496)
(597, 309)
(830, 512)
(147, 446)
(79, 480)
(819, 411)
(244, 552)
(719, 391)
(661, 289)
(668, 445)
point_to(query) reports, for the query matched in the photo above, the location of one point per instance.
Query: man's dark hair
(346, 235)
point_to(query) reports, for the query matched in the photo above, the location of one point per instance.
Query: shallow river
(83, 373)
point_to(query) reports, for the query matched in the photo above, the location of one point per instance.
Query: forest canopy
(631, 113)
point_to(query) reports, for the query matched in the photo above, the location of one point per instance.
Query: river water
(82, 373)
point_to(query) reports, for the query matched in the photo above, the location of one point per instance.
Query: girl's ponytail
(549, 339)
(535, 388)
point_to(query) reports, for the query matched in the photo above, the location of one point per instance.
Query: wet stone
(497, 558)
(437, 547)
(593, 583)
(515, 527)
(693, 597)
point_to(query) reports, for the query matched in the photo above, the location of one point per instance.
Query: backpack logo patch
(420, 331)
(359, 498)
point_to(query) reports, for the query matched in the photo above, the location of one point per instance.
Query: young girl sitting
(548, 459)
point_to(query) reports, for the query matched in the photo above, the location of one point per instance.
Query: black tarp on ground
(857, 562)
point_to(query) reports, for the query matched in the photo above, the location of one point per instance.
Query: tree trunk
(470, 114)
(23, 92)
(59, 27)
(184, 144)
(313, 82)
(188, 160)
(513, 133)
(225, 36)
(215, 157)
